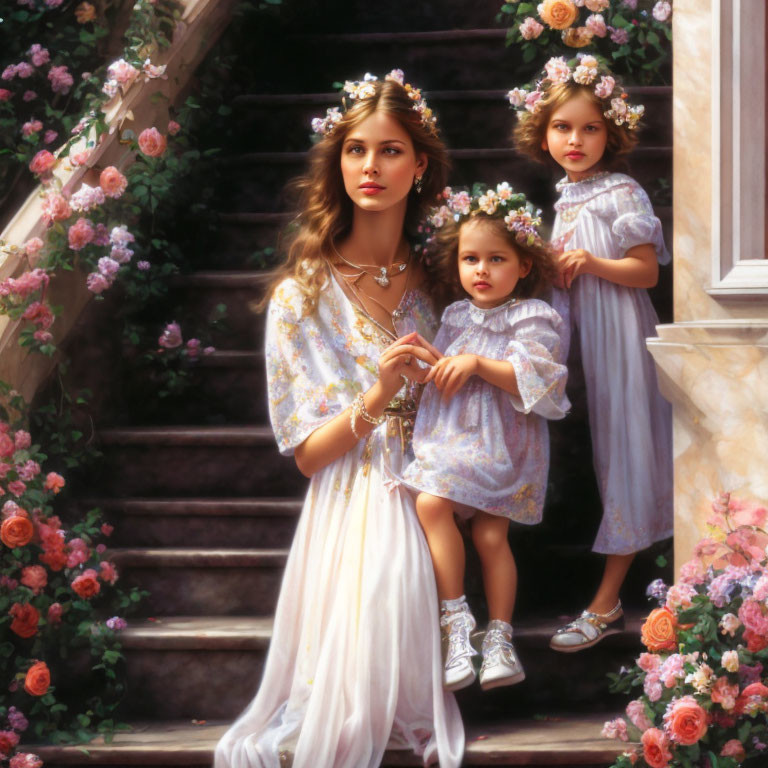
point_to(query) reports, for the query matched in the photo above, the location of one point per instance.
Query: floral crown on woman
(585, 69)
(358, 90)
(520, 217)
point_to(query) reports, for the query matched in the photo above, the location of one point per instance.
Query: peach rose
(84, 13)
(35, 577)
(112, 182)
(38, 679)
(577, 37)
(656, 748)
(42, 162)
(16, 531)
(151, 142)
(724, 693)
(558, 14)
(54, 482)
(25, 619)
(86, 585)
(659, 633)
(55, 208)
(685, 721)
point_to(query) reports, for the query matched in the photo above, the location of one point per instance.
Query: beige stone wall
(713, 361)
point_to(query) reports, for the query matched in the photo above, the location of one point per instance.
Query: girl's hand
(574, 263)
(398, 360)
(451, 373)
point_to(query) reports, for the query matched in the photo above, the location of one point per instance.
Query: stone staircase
(204, 507)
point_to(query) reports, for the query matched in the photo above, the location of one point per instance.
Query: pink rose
(637, 716)
(173, 128)
(97, 283)
(530, 29)
(107, 529)
(532, 101)
(7, 446)
(662, 10)
(39, 55)
(8, 741)
(112, 182)
(725, 693)
(29, 96)
(54, 613)
(24, 70)
(50, 137)
(55, 208)
(656, 748)
(33, 246)
(619, 35)
(25, 760)
(80, 234)
(122, 73)
(171, 336)
(79, 552)
(735, 749)
(35, 577)
(649, 662)
(615, 729)
(753, 618)
(22, 439)
(152, 143)
(680, 596)
(596, 25)
(5, 94)
(42, 336)
(42, 162)
(108, 572)
(61, 80)
(17, 487)
(54, 482)
(685, 720)
(30, 127)
(79, 158)
(604, 88)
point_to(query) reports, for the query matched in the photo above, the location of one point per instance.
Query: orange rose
(655, 748)
(16, 531)
(87, 585)
(659, 633)
(84, 13)
(558, 14)
(577, 37)
(686, 721)
(25, 618)
(38, 679)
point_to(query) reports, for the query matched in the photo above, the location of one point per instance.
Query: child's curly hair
(530, 131)
(444, 256)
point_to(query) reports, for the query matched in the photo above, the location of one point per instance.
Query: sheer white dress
(354, 665)
(630, 422)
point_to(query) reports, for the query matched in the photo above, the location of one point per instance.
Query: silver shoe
(458, 671)
(588, 630)
(501, 665)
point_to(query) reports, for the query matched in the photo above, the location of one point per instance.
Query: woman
(354, 665)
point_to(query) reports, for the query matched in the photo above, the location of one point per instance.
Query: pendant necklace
(382, 278)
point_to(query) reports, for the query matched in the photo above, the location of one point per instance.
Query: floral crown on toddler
(585, 71)
(358, 90)
(520, 217)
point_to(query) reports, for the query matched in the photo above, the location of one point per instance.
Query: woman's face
(379, 163)
(576, 137)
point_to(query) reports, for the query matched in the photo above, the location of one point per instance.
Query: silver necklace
(382, 278)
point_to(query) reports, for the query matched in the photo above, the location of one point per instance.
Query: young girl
(610, 246)
(480, 441)
(354, 662)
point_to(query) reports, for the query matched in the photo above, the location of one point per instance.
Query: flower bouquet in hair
(702, 684)
(633, 35)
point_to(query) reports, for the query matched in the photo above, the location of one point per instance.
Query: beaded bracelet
(359, 409)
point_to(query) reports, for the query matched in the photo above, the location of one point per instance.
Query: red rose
(86, 585)
(25, 618)
(38, 679)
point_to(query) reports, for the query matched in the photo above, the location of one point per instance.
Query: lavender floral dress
(487, 449)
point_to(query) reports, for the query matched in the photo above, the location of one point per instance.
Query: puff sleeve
(305, 387)
(634, 222)
(534, 351)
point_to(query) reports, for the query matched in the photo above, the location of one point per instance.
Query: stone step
(257, 174)
(244, 235)
(258, 522)
(169, 659)
(466, 118)
(566, 740)
(191, 461)
(204, 581)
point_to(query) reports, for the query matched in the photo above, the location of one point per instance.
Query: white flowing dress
(485, 448)
(630, 422)
(354, 666)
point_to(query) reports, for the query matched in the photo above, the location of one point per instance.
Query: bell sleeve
(534, 352)
(634, 222)
(304, 387)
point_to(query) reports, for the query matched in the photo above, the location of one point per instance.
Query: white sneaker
(501, 666)
(458, 671)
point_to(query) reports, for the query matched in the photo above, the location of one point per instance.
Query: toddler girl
(480, 440)
(610, 245)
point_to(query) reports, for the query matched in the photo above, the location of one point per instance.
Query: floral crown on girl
(358, 90)
(584, 70)
(520, 217)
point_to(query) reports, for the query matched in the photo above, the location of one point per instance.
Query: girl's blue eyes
(473, 259)
(358, 149)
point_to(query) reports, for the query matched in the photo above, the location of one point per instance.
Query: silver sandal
(588, 630)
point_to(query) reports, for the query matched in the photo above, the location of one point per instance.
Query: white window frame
(739, 263)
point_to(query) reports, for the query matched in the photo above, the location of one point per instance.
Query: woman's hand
(399, 359)
(574, 263)
(451, 373)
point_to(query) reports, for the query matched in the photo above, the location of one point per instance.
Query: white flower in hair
(504, 191)
(460, 202)
(516, 97)
(605, 87)
(558, 70)
(488, 202)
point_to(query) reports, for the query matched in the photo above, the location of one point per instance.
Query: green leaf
(661, 561)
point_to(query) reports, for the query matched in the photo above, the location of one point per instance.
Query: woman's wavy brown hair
(325, 209)
(444, 251)
(531, 128)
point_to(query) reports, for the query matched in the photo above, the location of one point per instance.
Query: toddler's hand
(574, 263)
(451, 373)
